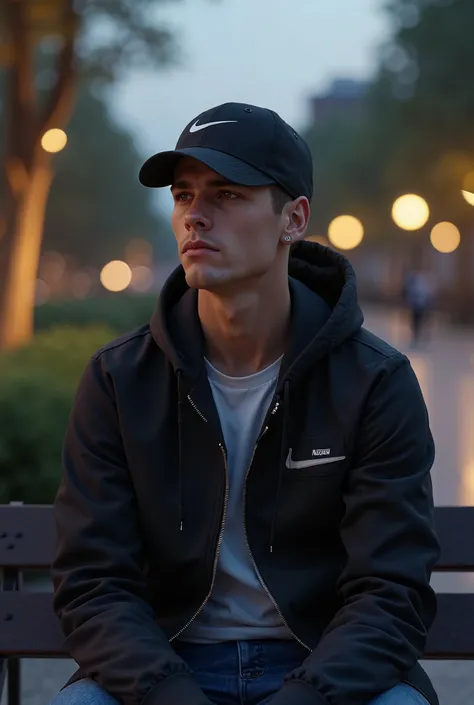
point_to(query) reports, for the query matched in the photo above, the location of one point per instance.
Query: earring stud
(287, 238)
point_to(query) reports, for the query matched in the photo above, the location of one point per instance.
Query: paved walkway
(445, 368)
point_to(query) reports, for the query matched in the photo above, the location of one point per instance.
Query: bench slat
(27, 536)
(32, 628)
(29, 626)
(455, 528)
(452, 633)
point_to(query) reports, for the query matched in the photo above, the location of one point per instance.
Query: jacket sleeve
(100, 591)
(391, 547)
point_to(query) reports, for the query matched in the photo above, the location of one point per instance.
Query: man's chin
(200, 277)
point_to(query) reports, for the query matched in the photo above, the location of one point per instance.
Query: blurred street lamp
(116, 276)
(468, 196)
(346, 232)
(468, 188)
(54, 140)
(410, 212)
(445, 237)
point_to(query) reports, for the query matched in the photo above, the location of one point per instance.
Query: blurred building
(345, 96)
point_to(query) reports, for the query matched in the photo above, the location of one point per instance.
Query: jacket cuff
(176, 690)
(295, 691)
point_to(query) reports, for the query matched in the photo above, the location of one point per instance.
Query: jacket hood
(325, 312)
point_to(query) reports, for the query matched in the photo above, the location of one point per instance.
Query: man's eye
(228, 194)
(181, 197)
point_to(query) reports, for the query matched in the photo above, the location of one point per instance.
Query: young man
(246, 512)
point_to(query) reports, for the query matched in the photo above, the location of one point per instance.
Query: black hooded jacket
(345, 548)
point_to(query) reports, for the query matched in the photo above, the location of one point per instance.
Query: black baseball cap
(245, 144)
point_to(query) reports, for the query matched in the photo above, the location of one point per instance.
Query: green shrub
(37, 387)
(122, 312)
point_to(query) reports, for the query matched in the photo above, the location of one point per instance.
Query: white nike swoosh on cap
(300, 464)
(196, 127)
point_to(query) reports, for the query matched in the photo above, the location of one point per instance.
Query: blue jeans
(235, 673)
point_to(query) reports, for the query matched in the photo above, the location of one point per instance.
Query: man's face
(237, 222)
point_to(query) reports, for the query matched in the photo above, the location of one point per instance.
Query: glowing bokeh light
(445, 237)
(54, 140)
(410, 212)
(116, 276)
(346, 232)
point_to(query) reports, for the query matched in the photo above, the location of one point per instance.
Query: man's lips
(197, 245)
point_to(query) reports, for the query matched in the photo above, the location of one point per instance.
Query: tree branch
(61, 101)
(21, 106)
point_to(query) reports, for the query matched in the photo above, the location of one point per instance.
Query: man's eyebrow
(182, 183)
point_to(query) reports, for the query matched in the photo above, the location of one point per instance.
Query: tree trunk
(28, 168)
(21, 253)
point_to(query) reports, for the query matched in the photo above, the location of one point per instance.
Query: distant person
(246, 513)
(419, 295)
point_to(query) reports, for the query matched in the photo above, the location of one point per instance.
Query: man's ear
(296, 214)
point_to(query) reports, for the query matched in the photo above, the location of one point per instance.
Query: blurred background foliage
(97, 204)
(37, 385)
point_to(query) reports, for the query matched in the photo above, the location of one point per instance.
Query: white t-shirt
(239, 607)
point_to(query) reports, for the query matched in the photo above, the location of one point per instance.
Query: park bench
(30, 629)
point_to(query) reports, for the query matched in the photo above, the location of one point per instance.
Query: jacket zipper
(196, 409)
(259, 576)
(221, 535)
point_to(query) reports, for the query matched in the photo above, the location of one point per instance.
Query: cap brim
(158, 170)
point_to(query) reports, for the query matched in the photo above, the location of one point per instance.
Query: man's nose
(196, 218)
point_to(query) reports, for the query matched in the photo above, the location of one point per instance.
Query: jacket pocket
(336, 467)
